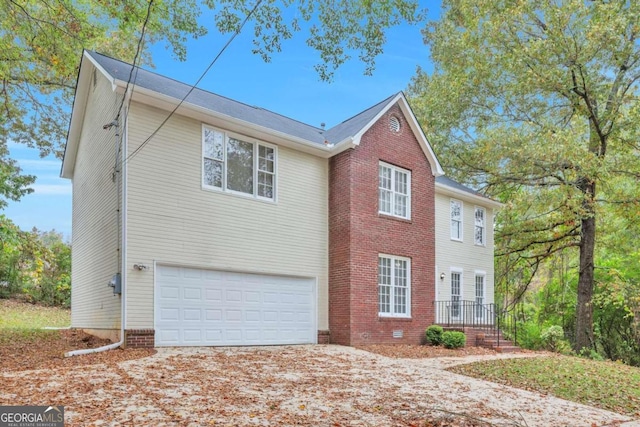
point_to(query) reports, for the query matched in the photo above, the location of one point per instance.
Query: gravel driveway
(274, 386)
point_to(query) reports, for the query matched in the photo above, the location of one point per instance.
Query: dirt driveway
(275, 386)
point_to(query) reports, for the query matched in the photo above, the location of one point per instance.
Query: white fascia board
(87, 64)
(77, 117)
(420, 136)
(480, 200)
(168, 103)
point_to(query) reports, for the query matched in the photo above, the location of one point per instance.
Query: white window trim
(406, 315)
(406, 172)
(483, 274)
(484, 235)
(461, 272)
(461, 238)
(256, 143)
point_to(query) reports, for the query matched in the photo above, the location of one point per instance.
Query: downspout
(123, 248)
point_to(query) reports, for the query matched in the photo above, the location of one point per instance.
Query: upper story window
(456, 220)
(480, 229)
(394, 286)
(238, 166)
(394, 191)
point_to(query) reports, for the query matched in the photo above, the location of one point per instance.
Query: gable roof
(453, 187)
(164, 92)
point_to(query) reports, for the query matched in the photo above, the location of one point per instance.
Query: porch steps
(495, 341)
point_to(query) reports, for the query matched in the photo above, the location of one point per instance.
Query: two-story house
(200, 220)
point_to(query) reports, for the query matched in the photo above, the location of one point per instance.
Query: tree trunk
(584, 310)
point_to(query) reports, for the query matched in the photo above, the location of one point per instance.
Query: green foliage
(529, 335)
(589, 353)
(607, 385)
(536, 104)
(434, 334)
(553, 339)
(454, 339)
(35, 265)
(41, 43)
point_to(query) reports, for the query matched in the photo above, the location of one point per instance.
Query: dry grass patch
(607, 385)
(19, 314)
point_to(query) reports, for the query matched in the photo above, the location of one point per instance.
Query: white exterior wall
(171, 219)
(95, 235)
(465, 254)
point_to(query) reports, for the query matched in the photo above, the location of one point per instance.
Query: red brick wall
(139, 338)
(339, 247)
(357, 234)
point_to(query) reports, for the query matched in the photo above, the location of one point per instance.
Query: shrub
(552, 337)
(454, 339)
(434, 335)
(529, 336)
(589, 353)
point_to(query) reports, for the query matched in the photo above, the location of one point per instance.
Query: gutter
(123, 269)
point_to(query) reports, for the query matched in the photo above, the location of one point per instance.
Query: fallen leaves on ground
(401, 351)
(278, 386)
(26, 349)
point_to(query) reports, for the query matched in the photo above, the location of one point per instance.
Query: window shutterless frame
(394, 286)
(456, 215)
(215, 164)
(480, 226)
(394, 191)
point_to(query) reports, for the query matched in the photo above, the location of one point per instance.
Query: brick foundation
(323, 337)
(139, 338)
(358, 234)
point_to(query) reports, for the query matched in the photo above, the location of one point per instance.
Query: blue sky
(288, 85)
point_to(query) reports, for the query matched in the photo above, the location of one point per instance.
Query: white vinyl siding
(171, 220)
(466, 255)
(95, 236)
(394, 191)
(394, 286)
(456, 219)
(237, 164)
(479, 228)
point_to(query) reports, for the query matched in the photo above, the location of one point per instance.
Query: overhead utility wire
(193, 87)
(135, 59)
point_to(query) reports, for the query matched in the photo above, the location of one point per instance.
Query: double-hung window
(479, 303)
(456, 293)
(394, 191)
(235, 165)
(480, 233)
(456, 219)
(394, 286)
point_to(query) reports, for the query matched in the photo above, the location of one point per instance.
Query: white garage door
(197, 307)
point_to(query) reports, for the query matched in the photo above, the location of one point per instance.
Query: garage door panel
(190, 314)
(192, 293)
(252, 297)
(233, 296)
(214, 315)
(207, 307)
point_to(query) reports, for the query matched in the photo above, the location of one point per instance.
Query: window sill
(239, 195)
(396, 218)
(483, 245)
(386, 318)
(457, 240)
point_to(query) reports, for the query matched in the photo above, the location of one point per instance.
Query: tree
(41, 42)
(537, 103)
